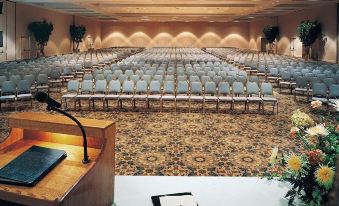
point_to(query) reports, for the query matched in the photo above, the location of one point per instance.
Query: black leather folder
(31, 166)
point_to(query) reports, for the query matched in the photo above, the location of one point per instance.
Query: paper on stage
(184, 200)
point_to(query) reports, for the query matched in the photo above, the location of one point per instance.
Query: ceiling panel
(177, 10)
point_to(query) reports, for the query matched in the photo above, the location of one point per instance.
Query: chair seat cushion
(211, 98)
(168, 97)
(7, 97)
(24, 96)
(140, 96)
(269, 99)
(225, 98)
(83, 96)
(324, 100)
(181, 97)
(126, 96)
(196, 98)
(239, 99)
(98, 96)
(154, 96)
(254, 99)
(112, 96)
(66, 96)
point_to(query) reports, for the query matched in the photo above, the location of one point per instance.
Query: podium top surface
(59, 119)
(57, 123)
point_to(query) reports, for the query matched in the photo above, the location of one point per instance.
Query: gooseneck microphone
(44, 98)
(55, 106)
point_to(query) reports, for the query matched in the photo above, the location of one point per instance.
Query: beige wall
(255, 31)
(59, 42)
(173, 34)
(288, 23)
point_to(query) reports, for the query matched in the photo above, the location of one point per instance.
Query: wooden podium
(70, 182)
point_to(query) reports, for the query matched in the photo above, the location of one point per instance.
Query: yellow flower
(318, 130)
(294, 163)
(325, 176)
(301, 119)
(316, 104)
(274, 156)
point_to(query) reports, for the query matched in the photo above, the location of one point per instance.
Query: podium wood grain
(70, 182)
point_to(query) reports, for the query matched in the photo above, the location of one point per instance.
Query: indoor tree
(77, 34)
(41, 31)
(308, 32)
(271, 33)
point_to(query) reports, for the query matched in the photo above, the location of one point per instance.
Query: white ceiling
(177, 10)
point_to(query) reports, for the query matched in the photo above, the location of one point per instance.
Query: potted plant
(308, 32)
(41, 32)
(271, 33)
(77, 34)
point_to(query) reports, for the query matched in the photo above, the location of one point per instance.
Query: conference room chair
(114, 89)
(196, 94)
(319, 92)
(253, 95)
(2, 80)
(267, 97)
(85, 92)
(8, 93)
(24, 91)
(127, 92)
(16, 78)
(210, 94)
(168, 93)
(301, 86)
(140, 92)
(224, 94)
(154, 92)
(72, 92)
(42, 82)
(285, 80)
(182, 93)
(238, 94)
(99, 92)
(333, 93)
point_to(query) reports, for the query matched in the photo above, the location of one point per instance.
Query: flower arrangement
(310, 173)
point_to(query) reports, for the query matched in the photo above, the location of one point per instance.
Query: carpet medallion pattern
(195, 143)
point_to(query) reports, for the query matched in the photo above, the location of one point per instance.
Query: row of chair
(180, 91)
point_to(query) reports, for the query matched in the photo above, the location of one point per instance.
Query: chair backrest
(100, 86)
(196, 88)
(114, 86)
(3, 79)
(8, 87)
(24, 87)
(15, 78)
(88, 77)
(210, 88)
(182, 78)
(334, 91)
(224, 88)
(182, 87)
(319, 89)
(154, 87)
(73, 85)
(237, 88)
(169, 87)
(252, 88)
(135, 78)
(55, 74)
(42, 79)
(147, 78)
(86, 86)
(141, 86)
(122, 78)
(266, 89)
(230, 80)
(128, 86)
(301, 82)
(99, 77)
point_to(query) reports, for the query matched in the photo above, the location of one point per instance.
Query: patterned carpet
(150, 142)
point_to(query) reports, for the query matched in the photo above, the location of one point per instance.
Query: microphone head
(41, 97)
